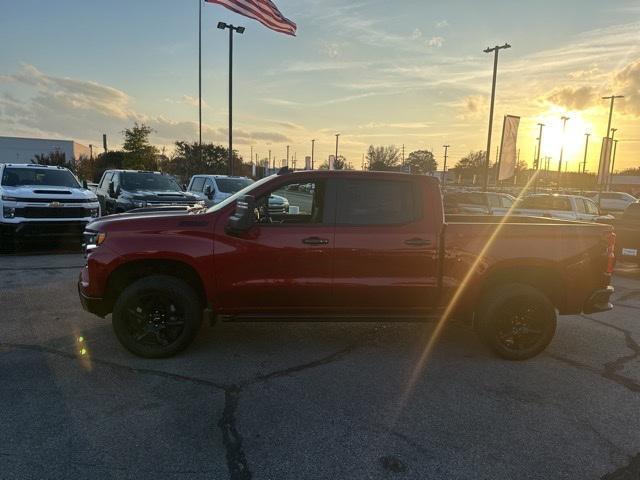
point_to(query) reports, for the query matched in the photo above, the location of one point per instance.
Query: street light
(335, 159)
(586, 146)
(564, 126)
(495, 49)
(444, 168)
(240, 30)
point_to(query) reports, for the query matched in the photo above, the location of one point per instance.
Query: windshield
(16, 177)
(148, 181)
(232, 185)
(245, 191)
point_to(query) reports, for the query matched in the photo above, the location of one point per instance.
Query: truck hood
(161, 195)
(143, 219)
(48, 192)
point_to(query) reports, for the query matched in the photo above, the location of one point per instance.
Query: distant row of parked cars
(616, 208)
(40, 200)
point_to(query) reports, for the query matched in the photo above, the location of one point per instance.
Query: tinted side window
(197, 184)
(106, 179)
(377, 202)
(580, 206)
(592, 208)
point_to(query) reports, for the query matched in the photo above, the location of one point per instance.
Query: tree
(470, 165)
(139, 153)
(422, 161)
(383, 158)
(55, 158)
(339, 163)
(187, 161)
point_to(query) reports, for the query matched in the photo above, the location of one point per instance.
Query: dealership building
(24, 150)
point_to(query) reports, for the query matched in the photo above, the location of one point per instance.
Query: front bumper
(45, 229)
(599, 301)
(94, 305)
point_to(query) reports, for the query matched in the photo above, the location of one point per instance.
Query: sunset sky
(379, 72)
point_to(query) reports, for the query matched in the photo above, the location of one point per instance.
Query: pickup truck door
(102, 192)
(385, 256)
(283, 266)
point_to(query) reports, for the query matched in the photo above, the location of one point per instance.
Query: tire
(157, 316)
(516, 321)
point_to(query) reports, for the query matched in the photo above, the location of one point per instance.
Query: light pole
(495, 49)
(613, 162)
(335, 159)
(240, 30)
(444, 168)
(536, 161)
(586, 146)
(612, 98)
(287, 155)
(313, 144)
(564, 125)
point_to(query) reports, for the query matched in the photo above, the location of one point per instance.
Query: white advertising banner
(605, 161)
(508, 151)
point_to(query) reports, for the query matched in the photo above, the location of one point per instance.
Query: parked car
(627, 229)
(371, 245)
(613, 202)
(212, 189)
(478, 203)
(40, 200)
(123, 190)
(565, 207)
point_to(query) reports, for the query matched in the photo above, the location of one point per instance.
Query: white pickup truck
(40, 200)
(564, 207)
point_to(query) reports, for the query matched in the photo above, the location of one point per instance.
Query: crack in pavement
(610, 369)
(231, 439)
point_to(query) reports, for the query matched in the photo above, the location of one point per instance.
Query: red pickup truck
(353, 246)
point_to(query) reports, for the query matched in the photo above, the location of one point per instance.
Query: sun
(572, 140)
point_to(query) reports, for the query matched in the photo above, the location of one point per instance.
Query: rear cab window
(378, 202)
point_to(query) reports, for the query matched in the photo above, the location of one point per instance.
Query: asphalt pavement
(308, 401)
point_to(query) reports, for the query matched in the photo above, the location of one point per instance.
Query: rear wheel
(516, 321)
(157, 316)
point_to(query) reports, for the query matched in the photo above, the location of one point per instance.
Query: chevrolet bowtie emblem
(55, 204)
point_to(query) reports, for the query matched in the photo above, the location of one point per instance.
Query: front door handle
(315, 241)
(417, 242)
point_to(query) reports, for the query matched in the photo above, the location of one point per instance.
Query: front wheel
(157, 316)
(516, 321)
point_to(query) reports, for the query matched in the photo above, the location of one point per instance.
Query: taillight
(611, 255)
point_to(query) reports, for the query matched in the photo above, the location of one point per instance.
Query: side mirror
(244, 217)
(111, 190)
(208, 192)
(184, 187)
(85, 185)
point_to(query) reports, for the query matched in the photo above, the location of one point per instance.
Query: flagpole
(200, 78)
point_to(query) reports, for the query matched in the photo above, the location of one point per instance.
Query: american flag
(263, 11)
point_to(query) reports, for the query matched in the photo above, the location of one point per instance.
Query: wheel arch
(127, 273)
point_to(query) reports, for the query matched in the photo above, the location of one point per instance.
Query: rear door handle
(417, 242)
(315, 241)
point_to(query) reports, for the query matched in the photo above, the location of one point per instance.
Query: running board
(329, 318)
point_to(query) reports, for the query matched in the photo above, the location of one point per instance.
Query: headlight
(93, 212)
(94, 239)
(8, 212)
(9, 199)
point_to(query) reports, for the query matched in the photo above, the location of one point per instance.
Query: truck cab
(42, 200)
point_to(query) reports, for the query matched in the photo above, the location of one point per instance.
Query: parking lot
(300, 400)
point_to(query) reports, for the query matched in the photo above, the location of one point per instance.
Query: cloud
(574, 98)
(442, 24)
(435, 42)
(83, 110)
(627, 82)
